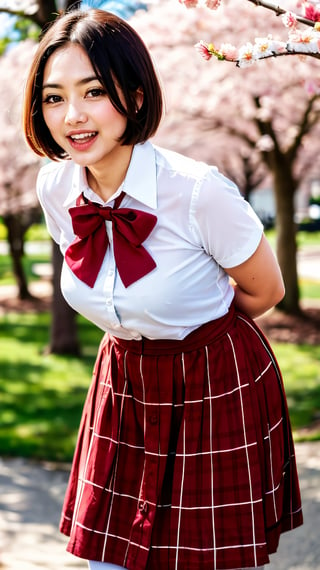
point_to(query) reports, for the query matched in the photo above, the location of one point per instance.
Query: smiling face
(78, 111)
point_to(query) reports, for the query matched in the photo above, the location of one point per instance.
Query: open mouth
(82, 137)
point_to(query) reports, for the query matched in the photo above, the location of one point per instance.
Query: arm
(258, 281)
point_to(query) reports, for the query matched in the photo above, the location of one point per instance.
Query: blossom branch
(299, 42)
(281, 11)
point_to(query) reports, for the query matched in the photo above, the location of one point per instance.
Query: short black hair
(119, 58)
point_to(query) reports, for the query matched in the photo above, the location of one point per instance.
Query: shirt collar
(140, 182)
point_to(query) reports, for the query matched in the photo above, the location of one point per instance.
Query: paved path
(30, 503)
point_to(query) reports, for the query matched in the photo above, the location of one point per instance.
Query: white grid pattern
(213, 450)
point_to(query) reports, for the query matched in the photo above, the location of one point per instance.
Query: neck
(104, 179)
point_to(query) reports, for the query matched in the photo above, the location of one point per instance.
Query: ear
(139, 98)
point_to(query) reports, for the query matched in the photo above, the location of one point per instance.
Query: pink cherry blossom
(265, 143)
(289, 20)
(203, 50)
(189, 3)
(213, 4)
(246, 55)
(304, 41)
(229, 52)
(312, 86)
(303, 37)
(311, 12)
(263, 47)
(298, 40)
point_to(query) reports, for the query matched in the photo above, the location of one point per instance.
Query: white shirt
(203, 225)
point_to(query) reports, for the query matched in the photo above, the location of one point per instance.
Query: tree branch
(306, 124)
(279, 11)
(231, 130)
(35, 17)
(19, 13)
(266, 128)
(289, 52)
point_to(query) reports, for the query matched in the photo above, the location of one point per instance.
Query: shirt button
(143, 506)
(109, 302)
(110, 272)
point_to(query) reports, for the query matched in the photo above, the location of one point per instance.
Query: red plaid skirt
(185, 456)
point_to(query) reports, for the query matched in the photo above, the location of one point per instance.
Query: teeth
(81, 136)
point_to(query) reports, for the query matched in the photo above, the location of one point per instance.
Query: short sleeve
(227, 226)
(52, 227)
(53, 184)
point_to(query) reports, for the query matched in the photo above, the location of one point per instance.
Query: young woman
(184, 457)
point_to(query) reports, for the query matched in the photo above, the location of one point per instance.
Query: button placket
(109, 283)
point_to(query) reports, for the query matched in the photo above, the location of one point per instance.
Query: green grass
(308, 238)
(309, 289)
(37, 232)
(300, 367)
(34, 233)
(41, 395)
(6, 274)
(303, 238)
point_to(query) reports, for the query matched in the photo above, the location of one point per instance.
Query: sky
(5, 24)
(123, 8)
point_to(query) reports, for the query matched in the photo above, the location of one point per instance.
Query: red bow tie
(130, 229)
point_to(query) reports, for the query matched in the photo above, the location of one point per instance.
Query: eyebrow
(83, 81)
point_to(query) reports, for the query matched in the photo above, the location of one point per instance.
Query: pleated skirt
(184, 456)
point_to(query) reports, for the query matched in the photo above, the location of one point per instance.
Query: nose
(75, 114)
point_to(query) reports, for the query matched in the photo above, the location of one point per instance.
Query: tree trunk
(48, 9)
(16, 233)
(284, 188)
(63, 338)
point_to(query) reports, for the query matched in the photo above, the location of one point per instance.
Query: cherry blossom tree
(299, 39)
(267, 113)
(19, 206)
(19, 168)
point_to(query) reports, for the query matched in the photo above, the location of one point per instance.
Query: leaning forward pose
(184, 457)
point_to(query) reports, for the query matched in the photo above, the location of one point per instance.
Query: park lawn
(29, 261)
(309, 288)
(300, 367)
(303, 238)
(42, 395)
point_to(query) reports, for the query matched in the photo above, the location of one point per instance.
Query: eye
(49, 99)
(96, 92)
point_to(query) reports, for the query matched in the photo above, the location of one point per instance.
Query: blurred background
(260, 125)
